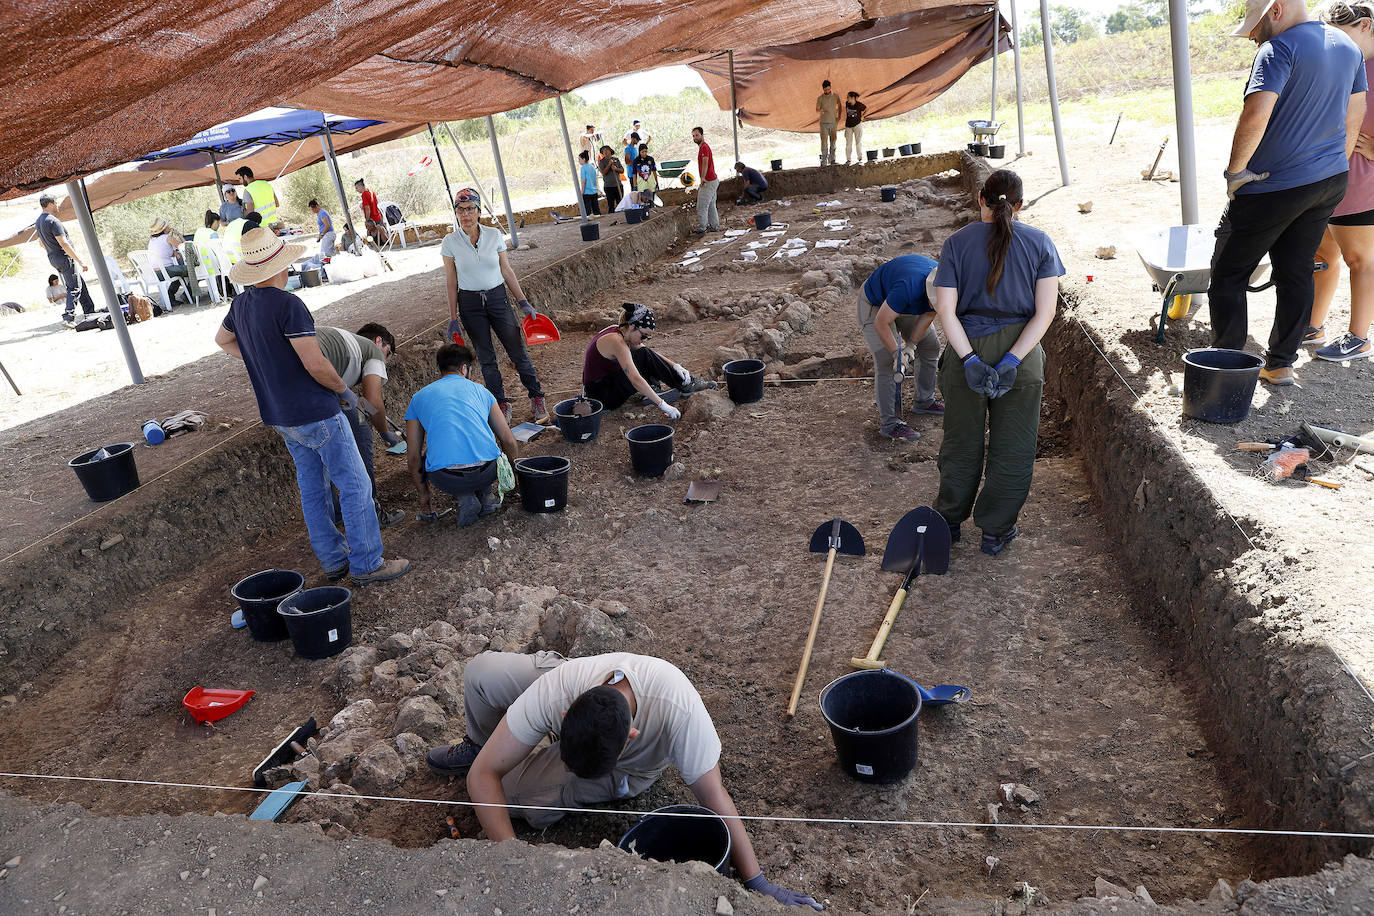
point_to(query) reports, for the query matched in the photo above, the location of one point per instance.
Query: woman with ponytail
(995, 293)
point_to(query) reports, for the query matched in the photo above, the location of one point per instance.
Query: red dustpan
(540, 329)
(208, 705)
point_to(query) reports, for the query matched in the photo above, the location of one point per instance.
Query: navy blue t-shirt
(754, 177)
(1315, 69)
(49, 230)
(264, 319)
(964, 265)
(901, 283)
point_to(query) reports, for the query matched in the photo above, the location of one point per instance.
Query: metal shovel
(835, 536)
(919, 540)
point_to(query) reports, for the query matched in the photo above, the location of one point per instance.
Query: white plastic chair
(222, 263)
(151, 278)
(207, 272)
(394, 230)
(121, 283)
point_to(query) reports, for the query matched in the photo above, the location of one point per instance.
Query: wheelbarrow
(672, 169)
(1179, 261)
(984, 131)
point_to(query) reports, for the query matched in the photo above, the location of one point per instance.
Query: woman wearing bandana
(618, 364)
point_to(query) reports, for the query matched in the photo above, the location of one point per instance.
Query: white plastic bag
(345, 268)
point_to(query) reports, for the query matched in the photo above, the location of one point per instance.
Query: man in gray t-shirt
(362, 358)
(616, 722)
(64, 259)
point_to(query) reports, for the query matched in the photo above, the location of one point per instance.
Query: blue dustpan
(942, 694)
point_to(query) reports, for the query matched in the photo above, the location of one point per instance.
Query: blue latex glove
(525, 308)
(761, 885)
(1006, 373)
(349, 398)
(981, 377)
(455, 327)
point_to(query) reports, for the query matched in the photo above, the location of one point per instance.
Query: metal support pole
(572, 163)
(327, 144)
(1053, 89)
(219, 182)
(734, 107)
(76, 189)
(996, 47)
(476, 182)
(448, 191)
(501, 177)
(1183, 110)
(1016, 59)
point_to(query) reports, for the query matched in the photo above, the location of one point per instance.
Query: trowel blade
(902, 543)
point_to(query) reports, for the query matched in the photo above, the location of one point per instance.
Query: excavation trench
(1115, 674)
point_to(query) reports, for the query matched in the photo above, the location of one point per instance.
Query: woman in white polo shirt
(476, 273)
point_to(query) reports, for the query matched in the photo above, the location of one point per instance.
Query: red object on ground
(209, 705)
(540, 329)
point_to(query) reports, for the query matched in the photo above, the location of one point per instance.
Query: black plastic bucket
(978, 149)
(744, 380)
(997, 151)
(776, 165)
(1218, 385)
(872, 155)
(319, 620)
(889, 152)
(762, 221)
(681, 839)
(260, 594)
(915, 149)
(543, 482)
(107, 472)
(872, 716)
(651, 449)
(889, 194)
(634, 215)
(575, 428)
(904, 149)
(590, 232)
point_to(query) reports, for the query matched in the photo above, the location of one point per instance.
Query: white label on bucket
(549, 503)
(863, 769)
(334, 637)
(586, 436)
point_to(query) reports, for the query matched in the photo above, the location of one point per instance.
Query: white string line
(777, 818)
(1210, 492)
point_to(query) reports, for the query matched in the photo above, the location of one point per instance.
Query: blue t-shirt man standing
(299, 395)
(1304, 103)
(893, 301)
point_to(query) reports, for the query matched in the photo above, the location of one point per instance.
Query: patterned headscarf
(641, 316)
(467, 196)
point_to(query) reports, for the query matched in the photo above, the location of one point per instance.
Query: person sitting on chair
(164, 245)
(617, 364)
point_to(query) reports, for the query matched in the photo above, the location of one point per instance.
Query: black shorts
(1354, 219)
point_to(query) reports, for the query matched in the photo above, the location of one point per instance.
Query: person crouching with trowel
(895, 300)
(617, 364)
(616, 722)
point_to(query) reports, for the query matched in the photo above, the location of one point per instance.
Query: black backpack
(393, 215)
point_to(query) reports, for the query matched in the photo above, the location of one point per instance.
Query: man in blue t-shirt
(299, 395)
(456, 430)
(64, 259)
(1289, 161)
(896, 298)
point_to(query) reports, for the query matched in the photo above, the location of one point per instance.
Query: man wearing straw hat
(300, 395)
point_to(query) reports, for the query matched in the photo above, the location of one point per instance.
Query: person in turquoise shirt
(586, 173)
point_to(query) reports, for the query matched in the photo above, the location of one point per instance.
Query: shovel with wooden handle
(919, 540)
(835, 536)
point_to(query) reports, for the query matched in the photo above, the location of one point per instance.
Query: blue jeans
(323, 452)
(77, 291)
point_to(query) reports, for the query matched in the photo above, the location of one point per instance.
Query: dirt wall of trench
(1275, 697)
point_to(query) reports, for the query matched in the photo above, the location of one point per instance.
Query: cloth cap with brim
(264, 256)
(1254, 12)
(159, 226)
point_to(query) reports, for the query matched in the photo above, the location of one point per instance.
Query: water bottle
(152, 431)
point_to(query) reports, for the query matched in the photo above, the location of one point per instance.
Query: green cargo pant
(1012, 423)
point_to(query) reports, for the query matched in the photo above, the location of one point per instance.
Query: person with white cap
(301, 396)
(1304, 104)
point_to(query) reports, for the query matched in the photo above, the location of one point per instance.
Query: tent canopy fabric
(895, 64)
(102, 82)
(269, 127)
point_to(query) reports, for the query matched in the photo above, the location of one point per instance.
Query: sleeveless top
(595, 367)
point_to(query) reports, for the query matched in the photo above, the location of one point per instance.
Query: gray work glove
(391, 437)
(455, 329)
(525, 308)
(981, 377)
(1237, 180)
(761, 885)
(349, 398)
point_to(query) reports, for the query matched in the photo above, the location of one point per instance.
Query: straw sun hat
(264, 256)
(159, 226)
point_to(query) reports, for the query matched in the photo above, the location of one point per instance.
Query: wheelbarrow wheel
(1180, 305)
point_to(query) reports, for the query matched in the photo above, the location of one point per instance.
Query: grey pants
(707, 217)
(491, 683)
(886, 385)
(828, 133)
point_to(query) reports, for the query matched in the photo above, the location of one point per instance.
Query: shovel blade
(900, 553)
(849, 540)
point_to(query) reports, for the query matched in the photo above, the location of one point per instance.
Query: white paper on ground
(831, 243)
(688, 263)
(835, 225)
(761, 243)
(794, 243)
(827, 203)
(788, 253)
(696, 252)
(746, 257)
(720, 241)
(735, 233)
(771, 235)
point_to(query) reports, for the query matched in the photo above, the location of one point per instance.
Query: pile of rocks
(405, 695)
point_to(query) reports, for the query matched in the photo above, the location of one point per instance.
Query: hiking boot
(453, 759)
(394, 568)
(540, 408)
(1279, 376)
(1345, 347)
(694, 384)
(469, 509)
(993, 544)
(902, 433)
(1314, 337)
(390, 518)
(336, 575)
(491, 501)
(505, 409)
(936, 407)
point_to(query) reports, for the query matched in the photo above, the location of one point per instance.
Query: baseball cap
(1255, 10)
